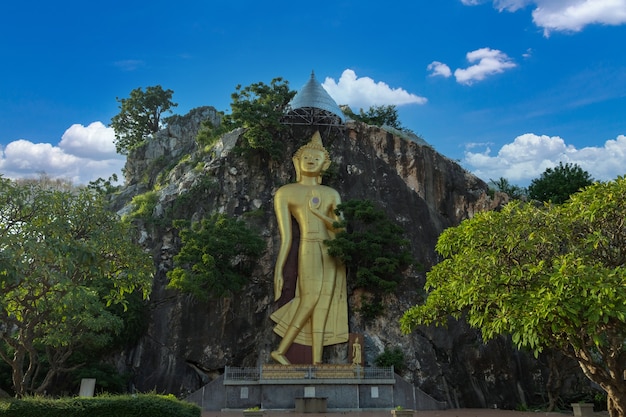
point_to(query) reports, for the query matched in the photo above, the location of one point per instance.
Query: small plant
(400, 411)
(143, 205)
(253, 412)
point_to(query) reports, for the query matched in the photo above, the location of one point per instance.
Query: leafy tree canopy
(140, 116)
(64, 259)
(372, 247)
(552, 276)
(103, 186)
(377, 116)
(504, 186)
(259, 108)
(216, 257)
(558, 183)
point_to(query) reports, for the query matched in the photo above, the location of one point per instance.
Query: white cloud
(472, 2)
(528, 54)
(566, 15)
(488, 62)
(528, 156)
(129, 64)
(364, 92)
(93, 140)
(439, 69)
(575, 15)
(84, 154)
(512, 5)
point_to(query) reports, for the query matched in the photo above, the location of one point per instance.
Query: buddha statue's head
(314, 148)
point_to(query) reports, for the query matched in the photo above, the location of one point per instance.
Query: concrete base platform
(341, 387)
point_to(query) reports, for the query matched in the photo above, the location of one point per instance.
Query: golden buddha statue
(318, 314)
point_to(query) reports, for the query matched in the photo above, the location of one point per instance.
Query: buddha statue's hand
(278, 283)
(315, 202)
(314, 205)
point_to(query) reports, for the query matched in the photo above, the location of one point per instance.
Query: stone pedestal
(583, 409)
(311, 388)
(311, 405)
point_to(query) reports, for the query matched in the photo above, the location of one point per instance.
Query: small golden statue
(318, 314)
(356, 352)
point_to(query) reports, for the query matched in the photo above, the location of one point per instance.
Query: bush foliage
(259, 109)
(391, 357)
(216, 258)
(103, 406)
(374, 250)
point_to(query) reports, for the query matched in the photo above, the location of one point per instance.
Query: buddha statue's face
(311, 162)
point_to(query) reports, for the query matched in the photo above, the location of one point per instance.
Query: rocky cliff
(188, 342)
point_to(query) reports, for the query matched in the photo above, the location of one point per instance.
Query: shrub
(143, 405)
(391, 357)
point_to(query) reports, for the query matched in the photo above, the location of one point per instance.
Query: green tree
(391, 357)
(504, 186)
(103, 186)
(377, 116)
(558, 183)
(216, 257)
(140, 116)
(373, 249)
(64, 259)
(550, 277)
(259, 108)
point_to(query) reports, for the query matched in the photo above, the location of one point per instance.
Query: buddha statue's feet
(280, 358)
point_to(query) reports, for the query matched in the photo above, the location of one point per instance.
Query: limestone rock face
(188, 343)
(168, 144)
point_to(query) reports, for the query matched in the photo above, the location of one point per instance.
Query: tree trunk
(553, 385)
(608, 373)
(612, 382)
(616, 401)
(17, 372)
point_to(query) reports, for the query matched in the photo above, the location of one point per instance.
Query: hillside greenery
(259, 108)
(385, 115)
(216, 256)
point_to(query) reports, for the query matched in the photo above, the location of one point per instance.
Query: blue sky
(507, 87)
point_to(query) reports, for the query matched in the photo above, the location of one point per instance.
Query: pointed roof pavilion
(312, 105)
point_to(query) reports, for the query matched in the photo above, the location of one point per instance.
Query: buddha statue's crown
(314, 143)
